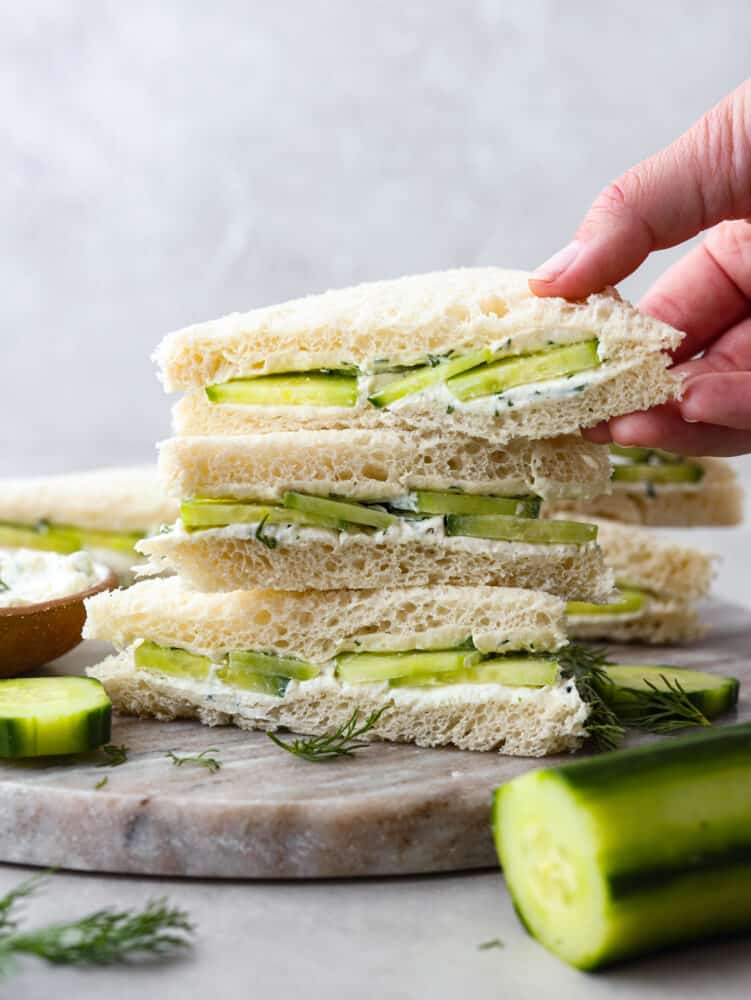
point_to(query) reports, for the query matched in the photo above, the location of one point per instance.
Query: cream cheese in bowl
(29, 576)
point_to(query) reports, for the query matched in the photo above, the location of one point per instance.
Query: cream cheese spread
(29, 576)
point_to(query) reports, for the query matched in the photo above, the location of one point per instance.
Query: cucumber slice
(712, 694)
(525, 369)
(519, 529)
(352, 513)
(423, 378)
(209, 513)
(46, 716)
(240, 677)
(628, 602)
(303, 389)
(171, 660)
(268, 663)
(38, 536)
(366, 668)
(633, 454)
(632, 851)
(685, 472)
(509, 671)
(429, 502)
(118, 541)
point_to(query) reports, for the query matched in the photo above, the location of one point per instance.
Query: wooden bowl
(34, 634)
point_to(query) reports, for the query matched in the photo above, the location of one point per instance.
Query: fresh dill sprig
(101, 783)
(116, 755)
(342, 743)
(4, 585)
(664, 710)
(9, 903)
(211, 764)
(102, 938)
(584, 665)
(259, 536)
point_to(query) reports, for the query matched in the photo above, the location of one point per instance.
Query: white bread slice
(717, 500)
(378, 465)
(402, 320)
(316, 625)
(625, 387)
(231, 559)
(650, 562)
(109, 499)
(524, 722)
(658, 623)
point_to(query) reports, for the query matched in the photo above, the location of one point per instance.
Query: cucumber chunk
(240, 677)
(519, 529)
(423, 378)
(171, 660)
(45, 716)
(712, 694)
(347, 512)
(38, 536)
(677, 472)
(268, 663)
(628, 602)
(209, 513)
(555, 362)
(297, 389)
(632, 851)
(437, 502)
(509, 671)
(367, 668)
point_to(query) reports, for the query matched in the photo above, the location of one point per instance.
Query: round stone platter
(389, 810)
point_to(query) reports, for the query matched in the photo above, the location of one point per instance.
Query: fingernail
(558, 263)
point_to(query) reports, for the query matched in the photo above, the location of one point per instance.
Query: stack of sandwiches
(104, 511)
(360, 476)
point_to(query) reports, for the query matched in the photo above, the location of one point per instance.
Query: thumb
(703, 178)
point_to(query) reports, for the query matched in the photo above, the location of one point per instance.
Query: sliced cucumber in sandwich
(118, 541)
(430, 375)
(38, 536)
(677, 472)
(47, 716)
(447, 502)
(508, 671)
(633, 851)
(555, 362)
(240, 677)
(345, 511)
(519, 529)
(369, 668)
(712, 694)
(171, 660)
(269, 663)
(628, 602)
(210, 513)
(298, 389)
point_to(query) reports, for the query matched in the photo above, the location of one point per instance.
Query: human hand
(702, 181)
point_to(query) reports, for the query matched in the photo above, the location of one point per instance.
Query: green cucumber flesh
(368, 668)
(297, 389)
(446, 502)
(712, 694)
(268, 663)
(117, 541)
(172, 660)
(632, 453)
(38, 536)
(628, 602)
(519, 529)
(48, 716)
(430, 375)
(508, 671)
(249, 680)
(209, 513)
(555, 362)
(350, 513)
(685, 472)
(633, 851)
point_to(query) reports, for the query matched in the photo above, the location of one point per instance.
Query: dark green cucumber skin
(711, 703)
(96, 730)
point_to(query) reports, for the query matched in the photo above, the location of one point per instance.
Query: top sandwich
(467, 350)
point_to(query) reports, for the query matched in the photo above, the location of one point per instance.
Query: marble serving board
(390, 810)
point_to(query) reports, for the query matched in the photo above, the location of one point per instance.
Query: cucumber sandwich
(292, 510)
(654, 487)
(474, 667)
(105, 511)
(658, 582)
(470, 351)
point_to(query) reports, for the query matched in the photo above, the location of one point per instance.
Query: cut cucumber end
(297, 389)
(712, 694)
(515, 529)
(49, 716)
